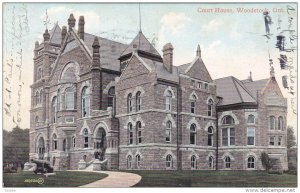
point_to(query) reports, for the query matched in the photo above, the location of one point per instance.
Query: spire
(198, 53)
(96, 53)
(46, 36)
(250, 76)
(81, 27)
(272, 72)
(71, 21)
(140, 17)
(63, 34)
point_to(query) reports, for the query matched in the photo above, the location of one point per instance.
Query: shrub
(266, 161)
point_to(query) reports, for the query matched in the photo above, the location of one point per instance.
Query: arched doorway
(41, 148)
(100, 143)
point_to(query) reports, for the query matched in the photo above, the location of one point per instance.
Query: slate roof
(55, 34)
(255, 86)
(140, 42)
(110, 51)
(233, 91)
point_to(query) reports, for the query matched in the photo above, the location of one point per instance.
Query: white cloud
(213, 25)
(174, 21)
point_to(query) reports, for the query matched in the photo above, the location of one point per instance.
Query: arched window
(37, 121)
(58, 99)
(129, 162)
(272, 122)
(85, 100)
(37, 97)
(40, 73)
(210, 135)
(280, 123)
(210, 107)
(169, 161)
(139, 131)
(129, 103)
(64, 144)
(169, 101)
(130, 133)
(227, 162)
(168, 131)
(69, 98)
(251, 119)
(138, 161)
(41, 97)
(193, 162)
(54, 141)
(193, 104)
(227, 120)
(211, 162)
(251, 162)
(138, 101)
(228, 132)
(54, 109)
(86, 138)
(73, 142)
(111, 96)
(193, 134)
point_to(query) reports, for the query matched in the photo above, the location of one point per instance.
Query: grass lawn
(214, 179)
(61, 179)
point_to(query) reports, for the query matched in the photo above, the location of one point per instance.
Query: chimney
(46, 36)
(272, 72)
(198, 53)
(168, 56)
(81, 27)
(96, 53)
(71, 21)
(36, 46)
(63, 34)
(250, 77)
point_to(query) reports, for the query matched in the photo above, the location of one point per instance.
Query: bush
(266, 161)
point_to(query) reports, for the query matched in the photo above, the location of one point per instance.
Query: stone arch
(211, 155)
(108, 86)
(193, 153)
(137, 89)
(171, 90)
(139, 119)
(99, 125)
(193, 121)
(191, 95)
(227, 154)
(169, 118)
(129, 120)
(230, 113)
(85, 126)
(210, 124)
(75, 72)
(251, 154)
(210, 97)
(138, 153)
(169, 153)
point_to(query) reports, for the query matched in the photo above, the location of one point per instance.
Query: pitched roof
(255, 86)
(140, 42)
(110, 51)
(233, 91)
(55, 34)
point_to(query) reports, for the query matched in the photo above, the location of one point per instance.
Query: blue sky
(231, 43)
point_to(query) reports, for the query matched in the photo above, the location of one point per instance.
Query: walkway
(114, 180)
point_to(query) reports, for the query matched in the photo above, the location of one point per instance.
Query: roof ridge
(238, 91)
(244, 87)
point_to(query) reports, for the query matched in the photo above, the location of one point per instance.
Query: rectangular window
(86, 142)
(168, 135)
(232, 136)
(205, 86)
(193, 83)
(228, 136)
(200, 85)
(69, 101)
(279, 141)
(250, 136)
(272, 141)
(130, 137)
(224, 137)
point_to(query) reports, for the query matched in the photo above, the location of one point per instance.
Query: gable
(272, 94)
(135, 67)
(198, 70)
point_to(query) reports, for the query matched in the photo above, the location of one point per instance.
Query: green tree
(291, 140)
(266, 161)
(16, 146)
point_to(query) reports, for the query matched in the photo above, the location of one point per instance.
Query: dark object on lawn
(42, 166)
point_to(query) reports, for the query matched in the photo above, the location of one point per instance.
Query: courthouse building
(91, 94)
